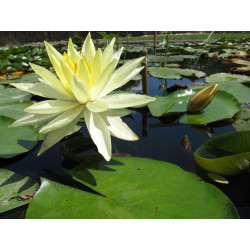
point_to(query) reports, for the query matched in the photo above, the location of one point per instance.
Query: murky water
(160, 139)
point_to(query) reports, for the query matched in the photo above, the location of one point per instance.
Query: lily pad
(242, 125)
(223, 106)
(14, 110)
(227, 154)
(17, 140)
(227, 78)
(131, 188)
(79, 149)
(13, 95)
(28, 78)
(240, 91)
(174, 73)
(15, 190)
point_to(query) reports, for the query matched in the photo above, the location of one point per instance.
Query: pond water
(160, 139)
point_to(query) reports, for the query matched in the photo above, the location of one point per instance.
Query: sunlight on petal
(99, 133)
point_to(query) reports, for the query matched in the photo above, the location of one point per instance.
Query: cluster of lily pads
(121, 188)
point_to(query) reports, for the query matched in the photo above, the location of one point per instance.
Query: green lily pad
(241, 125)
(227, 78)
(79, 149)
(17, 140)
(227, 154)
(223, 106)
(131, 188)
(174, 73)
(15, 190)
(13, 95)
(29, 78)
(14, 110)
(240, 91)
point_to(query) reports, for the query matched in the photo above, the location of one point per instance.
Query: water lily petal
(108, 53)
(51, 107)
(97, 106)
(83, 73)
(123, 75)
(33, 119)
(96, 66)
(51, 80)
(88, 48)
(116, 56)
(57, 67)
(99, 133)
(102, 80)
(40, 89)
(52, 51)
(55, 136)
(117, 127)
(62, 120)
(74, 55)
(126, 100)
(67, 73)
(80, 89)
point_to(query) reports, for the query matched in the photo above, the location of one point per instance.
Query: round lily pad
(14, 110)
(227, 154)
(17, 140)
(174, 73)
(223, 106)
(15, 190)
(131, 188)
(227, 78)
(13, 95)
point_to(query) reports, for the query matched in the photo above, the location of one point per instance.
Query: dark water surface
(160, 139)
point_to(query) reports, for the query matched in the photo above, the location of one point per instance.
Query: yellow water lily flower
(84, 81)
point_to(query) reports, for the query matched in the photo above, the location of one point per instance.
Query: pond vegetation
(193, 154)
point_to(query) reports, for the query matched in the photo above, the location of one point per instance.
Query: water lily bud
(202, 99)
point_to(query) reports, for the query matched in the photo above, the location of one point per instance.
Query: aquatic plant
(85, 82)
(202, 99)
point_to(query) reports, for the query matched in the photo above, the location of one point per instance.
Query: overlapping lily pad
(14, 110)
(13, 95)
(227, 154)
(28, 78)
(17, 140)
(15, 190)
(227, 78)
(223, 106)
(174, 73)
(131, 188)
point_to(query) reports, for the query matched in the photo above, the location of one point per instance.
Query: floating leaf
(174, 73)
(227, 154)
(131, 188)
(79, 149)
(240, 124)
(14, 110)
(13, 95)
(17, 140)
(28, 78)
(224, 106)
(227, 78)
(15, 190)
